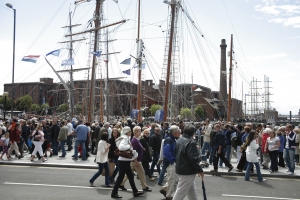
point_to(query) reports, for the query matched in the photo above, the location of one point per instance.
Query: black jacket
(187, 156)
(112, 148)
(54, 131)
(145, 143)
(155, 143)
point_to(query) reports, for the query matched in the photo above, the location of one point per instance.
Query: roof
(211, 103)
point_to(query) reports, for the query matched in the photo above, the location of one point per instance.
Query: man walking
(62, 138)
(218, 145)
(81, 135)
(54, 135)
(155, 143)
(289, 148)
(169, 159)
(69, 137)
(187, 165)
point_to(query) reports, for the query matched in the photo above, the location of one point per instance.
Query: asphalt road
(62, 183)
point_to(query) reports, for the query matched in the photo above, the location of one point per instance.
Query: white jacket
(125, 145)
(102, 155)
(207, 131)
(251, 152)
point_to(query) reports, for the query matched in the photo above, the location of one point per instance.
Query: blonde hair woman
(38, 140)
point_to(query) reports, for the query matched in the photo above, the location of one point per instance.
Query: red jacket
(264, 142)
(14, 135)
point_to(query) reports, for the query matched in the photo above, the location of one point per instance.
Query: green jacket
(63, 133)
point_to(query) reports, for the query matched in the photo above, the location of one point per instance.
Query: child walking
(5, 142)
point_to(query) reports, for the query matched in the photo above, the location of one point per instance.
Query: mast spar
(230, 82)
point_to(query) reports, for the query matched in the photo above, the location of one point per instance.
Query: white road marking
(258, 197)
(62, 186)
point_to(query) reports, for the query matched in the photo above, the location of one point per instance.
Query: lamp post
(13, 67)
(5, 94)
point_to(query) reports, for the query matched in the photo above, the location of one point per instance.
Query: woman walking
(112, 157)
(124, 145)
(38, 140)
(251, 157)
(147, 153)
(101, 159)
(273, 144)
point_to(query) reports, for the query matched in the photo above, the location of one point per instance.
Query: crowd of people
(123, 149)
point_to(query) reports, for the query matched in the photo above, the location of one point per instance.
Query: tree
(62, 108)
(8, 102)
(35, 107)
(154, 108)
(78, 108)
(185, 112)
(45, 107)
(199, 111)
(24, 102)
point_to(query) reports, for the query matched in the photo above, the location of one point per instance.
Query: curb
(253, 175)
(76, 166)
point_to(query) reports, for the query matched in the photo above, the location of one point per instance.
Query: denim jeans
(227, 154)
(55, 146)
(162, 175)
(154, 162)
(247, 174)
(62, 147)
(82, 144)
(99, 172)
(115, 160)
(288, 155)
(206, 146)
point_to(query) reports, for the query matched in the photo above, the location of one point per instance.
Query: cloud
(286, 14)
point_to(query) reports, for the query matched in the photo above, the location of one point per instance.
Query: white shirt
(70, 128)
(109, 130)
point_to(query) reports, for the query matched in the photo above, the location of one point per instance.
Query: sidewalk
(67, 162)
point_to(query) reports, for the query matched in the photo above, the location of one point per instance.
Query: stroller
(203, 163)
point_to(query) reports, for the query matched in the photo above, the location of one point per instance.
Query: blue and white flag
(66, 62)
(30, 58)
(126, 61)
(126, 72)
(54, 53)
(143, 66)
(96, 53)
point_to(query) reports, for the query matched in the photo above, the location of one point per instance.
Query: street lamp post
(5, 94)
(13, 67)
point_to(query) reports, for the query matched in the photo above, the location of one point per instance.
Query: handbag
(125, 154)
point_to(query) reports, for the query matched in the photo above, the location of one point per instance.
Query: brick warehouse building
(122, 95)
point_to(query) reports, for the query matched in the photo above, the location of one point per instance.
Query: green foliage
(8, 102)
(78, 108)
(199, 111)
(45, 106)
(185, 112)
(24, 102)
(62, 108)
(35, 107)
(154, 108)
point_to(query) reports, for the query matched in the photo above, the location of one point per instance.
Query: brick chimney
(223, 75)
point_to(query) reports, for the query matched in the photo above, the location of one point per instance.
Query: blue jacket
(169, 150)
(219, 140)
(281, 138)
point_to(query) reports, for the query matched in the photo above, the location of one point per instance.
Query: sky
(266, 39)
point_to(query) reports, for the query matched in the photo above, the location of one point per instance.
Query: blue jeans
(55, 146)
(247, 174)
(206, 146)
(62, 147)
(260, 155)
(82, 144)
(227, 154)
(288, 155)
(99, 172)
(115, 160)
(154, 162)
(162, 174)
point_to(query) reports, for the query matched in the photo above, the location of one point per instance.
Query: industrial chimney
(223, 77)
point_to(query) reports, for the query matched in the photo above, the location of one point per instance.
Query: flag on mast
(54, 53)
(30, 58)
(126, 72)
(96, 53)
(126, 61)
(66, 62)
(143, 66)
